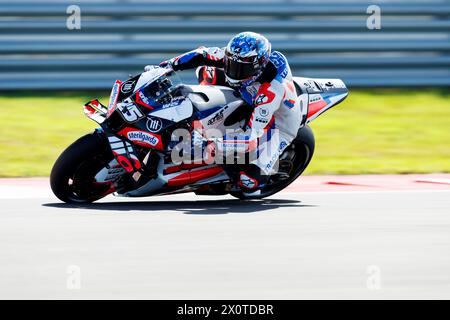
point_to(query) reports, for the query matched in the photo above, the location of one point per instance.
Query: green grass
(35, 130)
(385, 131)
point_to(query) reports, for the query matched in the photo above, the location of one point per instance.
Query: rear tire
(72, 177)
(303, 145)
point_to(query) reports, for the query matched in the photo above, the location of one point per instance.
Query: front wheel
(294, 160)
(73, 175)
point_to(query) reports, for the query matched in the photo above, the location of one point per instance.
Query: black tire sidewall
(83, 149)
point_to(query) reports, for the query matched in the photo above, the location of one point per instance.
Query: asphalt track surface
(333, 237)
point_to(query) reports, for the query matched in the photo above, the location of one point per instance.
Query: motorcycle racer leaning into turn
(264, 80)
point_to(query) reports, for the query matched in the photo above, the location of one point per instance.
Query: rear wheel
(294, 160)
(73, 175)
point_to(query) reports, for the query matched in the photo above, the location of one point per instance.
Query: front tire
(303, 150)
(73, 175)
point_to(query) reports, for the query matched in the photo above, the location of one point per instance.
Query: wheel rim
(82, 186)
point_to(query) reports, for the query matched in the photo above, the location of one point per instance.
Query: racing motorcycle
(130, 154)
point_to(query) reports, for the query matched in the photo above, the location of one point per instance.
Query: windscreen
(161, 89)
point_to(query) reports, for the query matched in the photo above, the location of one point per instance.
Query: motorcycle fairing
(142, 138)
(214, 105)
(177, 111)
(319, 95)
(207, 97)
(193, 176)
(169, 180)
(95, 111)
(125, 154)
(114, 96)
(211, 106)
(110, 173)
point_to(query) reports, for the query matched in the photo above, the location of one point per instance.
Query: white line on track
(26, 192)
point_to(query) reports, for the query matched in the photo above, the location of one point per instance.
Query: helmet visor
(239, 70)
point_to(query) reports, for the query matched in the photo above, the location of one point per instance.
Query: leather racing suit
(276, 116)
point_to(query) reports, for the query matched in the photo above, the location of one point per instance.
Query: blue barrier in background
(320, 39)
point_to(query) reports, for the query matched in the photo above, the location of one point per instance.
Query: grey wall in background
(321, 39)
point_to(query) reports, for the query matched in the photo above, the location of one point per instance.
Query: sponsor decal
(247, 181)
(311, 86)
(314, 98)
(280, 63)
(289, 103)
(263, 112)
(262, 98)
(217, 117)
(143, 97)
(211, 72)
(130, 112)
(142, 100)
(264, 95)
(276, 155)
(113, 97)
(114, 174)
(174, 103)
(253, 89)
(277, 59)
(154, 124)
(143, 138)
(128, 86)
(262, 120)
